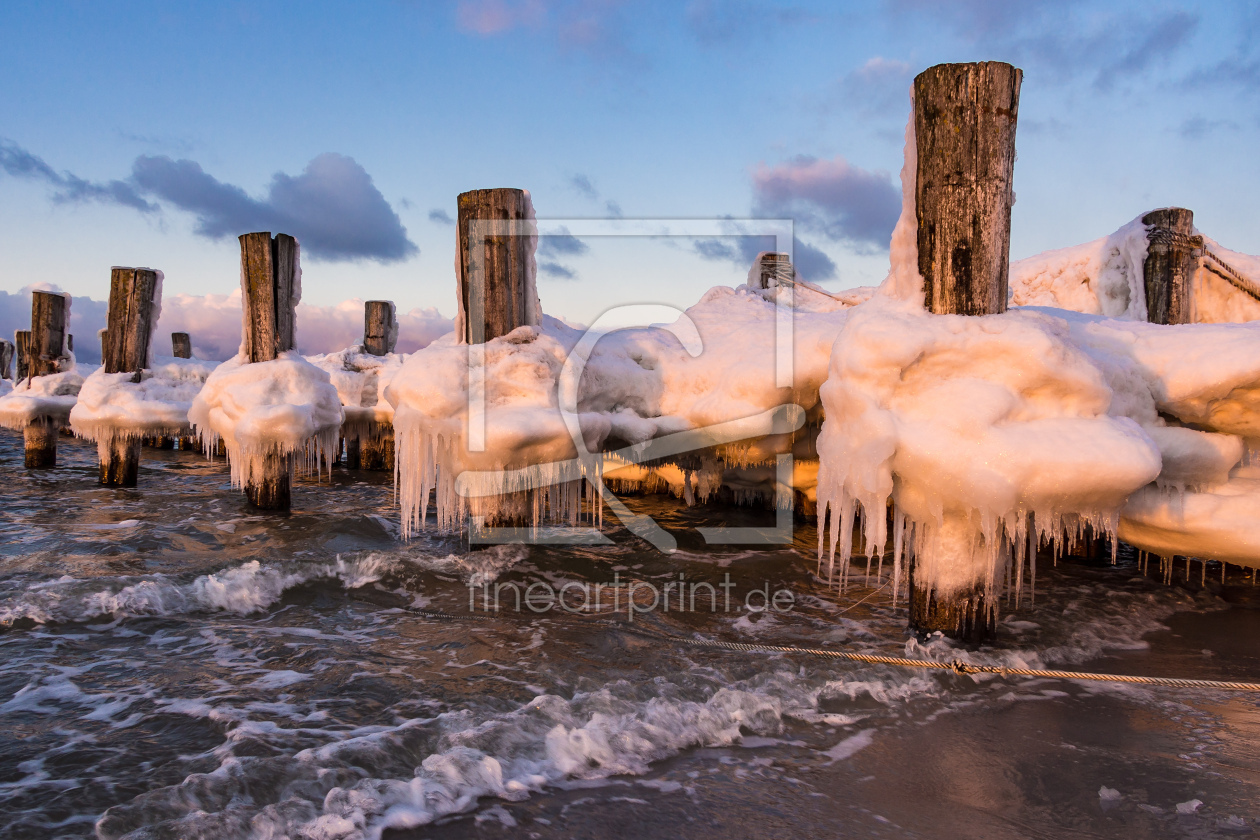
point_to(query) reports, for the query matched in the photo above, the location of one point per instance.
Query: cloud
(1197, 127)
(441, 217)
(494, 17)
(68, 187)
(880, 86)
(830, 197)
(724, 21)
(561, 243)
(214, 324)
(1063, 38)
(582, 185)
(333, 207)
(556, 271)
(811, 262)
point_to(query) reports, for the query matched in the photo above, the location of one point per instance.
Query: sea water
(175, 665)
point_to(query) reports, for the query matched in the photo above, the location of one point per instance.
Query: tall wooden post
(772, 266)
(268, 272)
(379, 327)
(128, 331)
(493, 274)
(964, 123)
(46, 348)
(1170, 265)
(6, 359)
(22, 348)
(181, 345)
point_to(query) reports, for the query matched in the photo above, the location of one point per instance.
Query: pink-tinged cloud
(491, 17)
(831, 197)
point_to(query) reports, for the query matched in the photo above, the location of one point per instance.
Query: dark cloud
(68, 187)
(833, 198)
(1198, 127)
(812, 262)
(441, 217)
(561, 243)
(333, 207)
(582, 185)
(556, 271)
(1063, 38)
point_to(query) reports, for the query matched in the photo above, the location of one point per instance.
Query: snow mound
(360, 379)
(46, 399)
(279, 407)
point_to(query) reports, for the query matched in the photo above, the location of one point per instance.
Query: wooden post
(125, 347)
(6, 358)
(771, 266)
(377, 451)
(181, 345)
(22, 347)
(494, 289)
(268, 272)
(1170, 265)
(380, 329)
(46, 347)
(964, 122)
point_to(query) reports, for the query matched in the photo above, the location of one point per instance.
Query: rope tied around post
(1164, 236)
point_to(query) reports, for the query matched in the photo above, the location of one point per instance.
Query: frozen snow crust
(257, 409)
(716, 364)
(360, 379)
(40, 399)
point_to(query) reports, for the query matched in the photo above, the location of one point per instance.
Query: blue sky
(152, 133)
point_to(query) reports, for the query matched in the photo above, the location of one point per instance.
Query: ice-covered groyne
(47, 398)
(360, 379)
(286, 406)
(716, 364)
(114, 408)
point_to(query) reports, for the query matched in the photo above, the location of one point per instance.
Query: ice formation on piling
(281, 407)
(44, 399)
(360, 379)
(113, 409)
(979, 438)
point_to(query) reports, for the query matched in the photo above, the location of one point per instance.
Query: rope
(1166, 236)
(956, 665)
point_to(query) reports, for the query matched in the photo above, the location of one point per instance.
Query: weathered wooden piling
(1170, 265)
(495, 294)
(181, 345)
(380, 331)
(771, 268)
(6, 359)
(46, 348)
(125, 349)
(964, 123)
(22, 350)
(268, 272)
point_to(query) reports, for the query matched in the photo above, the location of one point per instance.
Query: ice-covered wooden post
(376, 451)
(46, 348)
(1170, 265)
(771, 266)
(494, 287)
(964, 123)
(22, 349)
(128, 330)
(268, 272)
(181, 345)
(6, 358)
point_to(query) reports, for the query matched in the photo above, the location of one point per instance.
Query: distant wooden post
(46, 348)
(268, 271)
(22, 347)
(181, 345)
(493, 278)
(964, 123)
(771, 266)
(379, 331)
(1170, 265)
(125, 347)
(6, 358)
